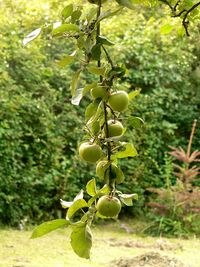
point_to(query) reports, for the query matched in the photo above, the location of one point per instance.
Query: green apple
(99, 92)
(90, 152)
(108, 206)
(118, 101)
(115, 128)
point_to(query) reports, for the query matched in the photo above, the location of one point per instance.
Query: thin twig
(179, 14)
(176, 5)
(167, 3)
(185, 22)
(191, 137)
(108, 57)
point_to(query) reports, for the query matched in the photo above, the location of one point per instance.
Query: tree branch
(168, 4)
(185, 22)
(176, 5)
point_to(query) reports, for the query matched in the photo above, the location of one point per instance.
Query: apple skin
(118, 101)
(99, 92)
(108, 206)
(90, 152)
(115, 128)
(102, 171)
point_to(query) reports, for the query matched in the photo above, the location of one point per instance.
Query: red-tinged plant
(179, 204)
(185, 172)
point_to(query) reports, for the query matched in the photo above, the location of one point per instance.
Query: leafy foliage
(180, 203)
(101, 143)
(39, 129)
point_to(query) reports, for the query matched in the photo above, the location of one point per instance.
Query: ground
(112, 246)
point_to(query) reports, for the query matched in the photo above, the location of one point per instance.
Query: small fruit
(115, 128)
(99, 92)
(106, 171)
(90, 152)
(118, 101)
(108, 206)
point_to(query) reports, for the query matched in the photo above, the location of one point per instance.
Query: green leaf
(108, 14)
(31, 36)
(91, 200)
(136, 122)
(65, 204)
(127, 199)
(104, 40)
(76, 15)
(67, 11)
(101, 216)
(88, 87)
(77, 205)
(91, 187)
(74, 83)
(81, 241)
(96, 52)
(125, 3)
(129, 151)
(91, 13)
(79, 195)
(95, 127)
(47, 227)
(77, 97)
(64, 28)
(95, 117)
(133, 94)
(97, 70)
(91, 109)
(166, 29)
(67, 60)
(117, 72)
(104, 190)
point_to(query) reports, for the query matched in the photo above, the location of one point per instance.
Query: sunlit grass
(53, 250)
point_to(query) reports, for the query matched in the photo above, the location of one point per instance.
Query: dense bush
(166, 68)
(39, 130)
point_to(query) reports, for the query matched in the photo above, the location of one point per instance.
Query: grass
(53, 250)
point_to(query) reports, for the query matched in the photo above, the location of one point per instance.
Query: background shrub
(40, 131)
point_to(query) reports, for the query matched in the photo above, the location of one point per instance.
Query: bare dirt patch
(159, 244)
(150, 259)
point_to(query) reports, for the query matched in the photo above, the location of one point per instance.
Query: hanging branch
(177, 4)
(168, 4)
(185, 21)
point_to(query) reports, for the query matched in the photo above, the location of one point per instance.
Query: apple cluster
(92, 151)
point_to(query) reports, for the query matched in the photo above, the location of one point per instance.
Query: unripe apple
(99, 92)
(115, 128)
(106, 171)
(108, 206)
(90, 152)
(118, 101)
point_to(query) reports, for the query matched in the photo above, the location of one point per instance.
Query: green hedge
(40, 129)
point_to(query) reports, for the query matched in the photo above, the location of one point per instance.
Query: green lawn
(53, 250)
